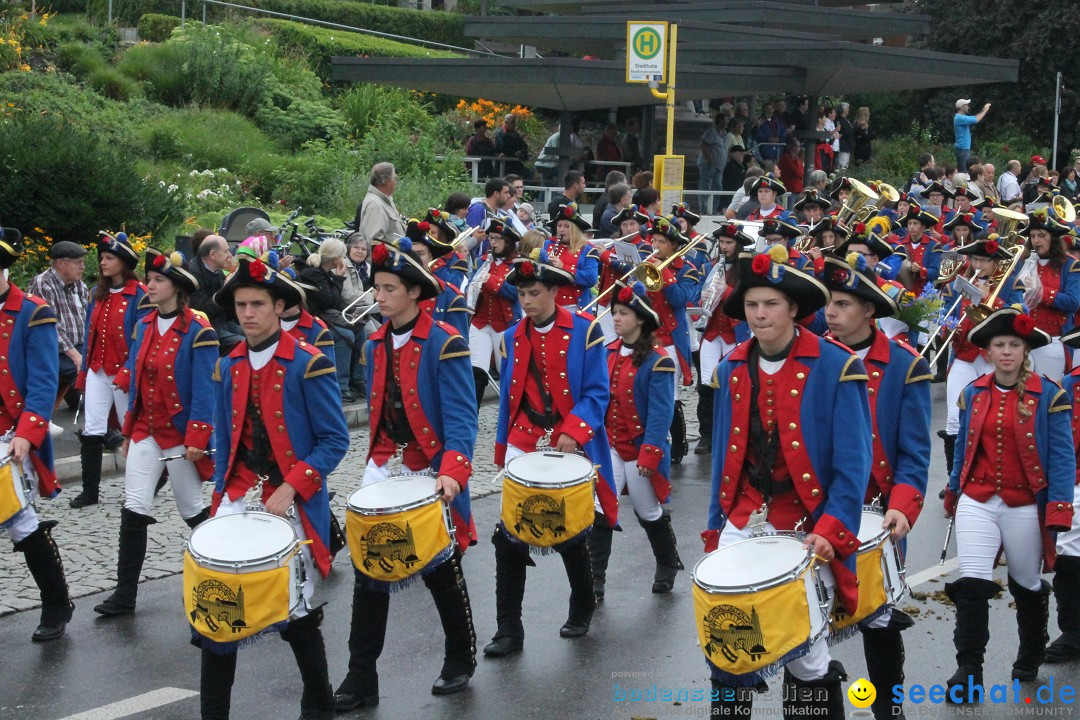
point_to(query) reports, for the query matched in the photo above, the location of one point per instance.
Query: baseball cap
(962, 102)
(1038, 160)
(257, 226)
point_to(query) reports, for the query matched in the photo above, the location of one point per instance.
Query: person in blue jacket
(1011, 488)
(27, 393)
(449, 305)
(638, 417)
(792, 446)
(898, 386)
(1059, 275)
(170, 414)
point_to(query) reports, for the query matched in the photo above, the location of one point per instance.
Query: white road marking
(934, 571)
(137, 704)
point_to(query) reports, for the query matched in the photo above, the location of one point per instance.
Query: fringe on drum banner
(757, 677)
(545, 549)
(228, 648)
(838, 636)
(369, 583)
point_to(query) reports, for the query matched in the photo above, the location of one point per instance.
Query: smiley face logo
(862, 693)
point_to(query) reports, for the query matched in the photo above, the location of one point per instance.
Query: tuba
(861, 197)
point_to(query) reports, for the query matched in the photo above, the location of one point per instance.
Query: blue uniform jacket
(1066, 297)
(685, 290)
(450, 308)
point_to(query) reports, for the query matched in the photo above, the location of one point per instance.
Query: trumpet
(465, 235)
(652, 276)
(353, 305)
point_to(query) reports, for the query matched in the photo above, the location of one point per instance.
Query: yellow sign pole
(669, 95)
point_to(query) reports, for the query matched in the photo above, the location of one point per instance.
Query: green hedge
(321, 44)
(433, 25)
(157, 28)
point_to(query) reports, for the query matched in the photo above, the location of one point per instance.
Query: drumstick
(167, 458)
(948, 537)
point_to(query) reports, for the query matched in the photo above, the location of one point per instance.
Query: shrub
(78, 28)
(160, 67)
(364, 105)
(79, 58)
(112, 83)
(321, 44)
(157, 28)
(181, 135)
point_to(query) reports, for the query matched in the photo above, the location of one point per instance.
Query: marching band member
(882, 259)
(687, 221)
(899, 385)
(570, 251)
(414, 356)
(117, 303)
(1060, 277)
(638, 417)
(825, 234)
(27, 393)
(449, 305)
(451, 267)
(301, 324)
(1009, 478)
(255, 454)
(813, 207)
(496, 305)
(841, 192)
(922, 250)
(779, 231)
(680, 284)
(170, 413)
(969, 362)
(961, 229)
(630, 221)
(964, 202)
(792, 438)
(767, 191)
(562, 398)
(1067, 567)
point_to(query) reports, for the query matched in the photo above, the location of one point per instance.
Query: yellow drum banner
(543, 517)
(391, 548)
(229, 607)
(872, 595)
(744, 633)
(10, 502)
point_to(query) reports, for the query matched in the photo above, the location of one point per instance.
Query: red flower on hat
(770, 225)
(257, 269)
(527, 268)
(423, 226)
(968, 217)
(731, 230)
(860, 228)
(379, 254)
(839, 276)
(158, 262)
(761, 264)
(567, 211)
(626, 295)
(1023, 324)
(992, 247)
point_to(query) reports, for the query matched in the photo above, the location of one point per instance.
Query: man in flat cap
(63, 288)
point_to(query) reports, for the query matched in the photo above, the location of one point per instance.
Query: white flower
(172, 188)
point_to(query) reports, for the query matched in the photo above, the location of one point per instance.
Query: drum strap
(763, 447)
(550, 416)
(394, 418)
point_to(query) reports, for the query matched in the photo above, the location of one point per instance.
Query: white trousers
(695, 334)
(482, 343)
(1068, 543)
(815, 663)
(983, 528)
(1049, 360)
(961, 374)
(712, 352)
(142, 470)
(99, 397)
(232, 507)
(642, 495)
(377, 473)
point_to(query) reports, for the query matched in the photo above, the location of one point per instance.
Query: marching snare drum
(879, 567)
(548, 497)
(758, 601)
(398, 527)
(243, 573)
(15, 493)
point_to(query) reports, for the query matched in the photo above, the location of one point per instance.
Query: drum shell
(879, 567)
(16, 494)
(549, 512)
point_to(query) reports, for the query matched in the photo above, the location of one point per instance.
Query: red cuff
(1059, 514)
(711, 538)
(500, 454)
(578, 429)
(32, 427)
(198, 434)
(951, 499)
(80, 381)
(122, 379)
(907, 500)
(649, 456)
(455, 465)
(669, 277)
(305, 479)
(844, 541)
(819, 265)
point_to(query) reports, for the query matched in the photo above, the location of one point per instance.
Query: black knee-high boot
(704, 416)
(480, 380)
(306, 641)
(578, 566)
(1067, 594)
(195, 521)
(884, 652)
(1032, 615)
(511, 562)
(217, 673)
(972, 632)
(736, 702)
(451, 596)
(43, 560)
(815, 698)
(367, 632)
(133, 533)
(90, 450)
(600, 552)
(949, 443)
(662, 539)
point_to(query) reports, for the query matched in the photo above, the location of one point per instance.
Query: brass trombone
(465, 235)
(632, 271)
(358, 301)
(1063, 209)
(652, 276)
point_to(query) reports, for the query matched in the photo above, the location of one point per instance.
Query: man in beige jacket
(377, 217)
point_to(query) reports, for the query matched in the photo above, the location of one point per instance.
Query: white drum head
(751, 562)
(242, 538)
(549, 468)
(392, 494)
(870, 526)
